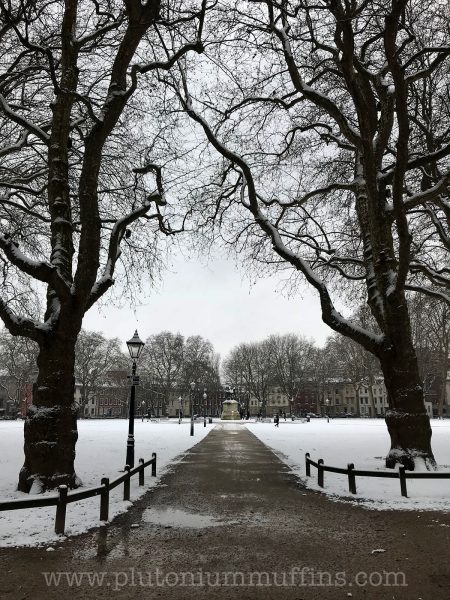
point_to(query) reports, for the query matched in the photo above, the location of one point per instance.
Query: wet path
(232, 514)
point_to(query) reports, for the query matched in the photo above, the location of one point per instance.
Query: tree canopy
(327, 132)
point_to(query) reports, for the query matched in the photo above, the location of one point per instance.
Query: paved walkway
(231, 513)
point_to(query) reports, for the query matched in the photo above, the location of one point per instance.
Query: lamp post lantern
(191, 410)
(135, 346)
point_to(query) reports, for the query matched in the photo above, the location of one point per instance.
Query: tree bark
(407, 420)
(51, 424)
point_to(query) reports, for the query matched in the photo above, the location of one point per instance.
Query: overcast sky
(217, 302)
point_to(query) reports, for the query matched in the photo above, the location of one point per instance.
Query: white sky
(217, 302)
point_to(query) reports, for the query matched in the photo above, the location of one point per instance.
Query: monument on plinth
(230, 408)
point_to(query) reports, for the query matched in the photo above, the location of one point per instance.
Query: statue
(230, 407)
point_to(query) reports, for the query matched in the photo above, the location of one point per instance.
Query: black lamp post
(205, 397)
(135, 346)
(180, 402)
(191, 409)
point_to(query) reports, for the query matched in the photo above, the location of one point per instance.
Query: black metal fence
(402, 474)
(64, 497)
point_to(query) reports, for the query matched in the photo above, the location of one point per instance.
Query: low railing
(402, 474)
(64, 497)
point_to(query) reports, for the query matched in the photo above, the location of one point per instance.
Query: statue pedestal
(230, 411)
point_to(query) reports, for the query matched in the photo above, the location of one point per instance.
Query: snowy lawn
(364, 442)
(101, 451)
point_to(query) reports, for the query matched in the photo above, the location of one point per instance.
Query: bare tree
(170, 363)
(162, 362)
(81, 189)
(95, 357)
(18, 362)
(292, 357)
(357, 365)
(200, 363)
(251, 364)
(286, 361)
(331, 124)
(430, 320)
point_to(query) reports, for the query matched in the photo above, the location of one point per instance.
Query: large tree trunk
(406, 419)
(51, 423)
(444, 370)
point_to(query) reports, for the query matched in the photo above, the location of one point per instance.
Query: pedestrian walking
(277, 420)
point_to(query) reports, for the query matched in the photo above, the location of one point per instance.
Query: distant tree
(430, 321)
(18, 361)
(251, 363)
(161, 363)
(292, 357)
(169, 363)
(355, 365)
(200, 363)
(95, 357)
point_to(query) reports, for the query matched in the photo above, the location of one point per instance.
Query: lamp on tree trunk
(135, 346)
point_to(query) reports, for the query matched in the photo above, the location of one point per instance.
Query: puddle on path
(173, 517)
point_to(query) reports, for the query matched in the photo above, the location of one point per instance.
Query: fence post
(320, 472)
(154, 464)
(126, 483)
(307, 465)
(104, 500)
(402, 475)
(141, 472)
(351, 478)
(60, 519)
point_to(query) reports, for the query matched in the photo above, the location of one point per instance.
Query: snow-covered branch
(329, 313)
(313, 95)
(25, 123)
(40, 270)
(117, 234)
(17, 325)
(431, 292)
(430, 194)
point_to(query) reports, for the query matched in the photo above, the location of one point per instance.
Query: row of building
(334, 397)
(339, 397)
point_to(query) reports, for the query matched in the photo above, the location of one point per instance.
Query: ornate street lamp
(135, 346)
(205, 396)
(191, 407)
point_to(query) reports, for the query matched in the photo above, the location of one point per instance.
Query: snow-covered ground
(364, 442)
(101, 451)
